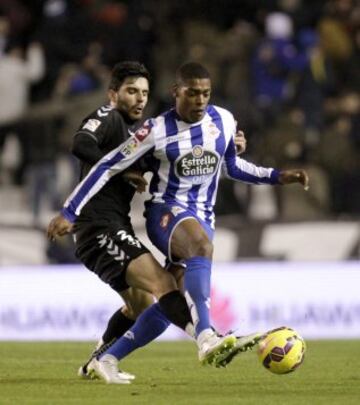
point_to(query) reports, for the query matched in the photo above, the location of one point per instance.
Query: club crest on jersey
(142, 132)
(164, 221)
(213, 130)
(129, 147)
(197, 165)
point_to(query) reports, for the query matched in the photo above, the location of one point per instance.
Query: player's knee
(178, 273)
(202, 247)
(129, 312)
(133, 312)
(142, 304)
(164, 283)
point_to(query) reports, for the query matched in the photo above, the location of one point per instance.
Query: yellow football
(281, 350)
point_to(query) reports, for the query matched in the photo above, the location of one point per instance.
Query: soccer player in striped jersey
(187, 147)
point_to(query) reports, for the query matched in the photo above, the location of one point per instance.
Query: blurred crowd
(289, 70)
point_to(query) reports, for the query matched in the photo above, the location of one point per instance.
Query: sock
(148, 326)
(118, 324)
(197, 291)
(175, 308)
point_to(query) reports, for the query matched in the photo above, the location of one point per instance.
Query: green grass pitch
(169, 373)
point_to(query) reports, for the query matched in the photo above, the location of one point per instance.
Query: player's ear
(175, 90)
(113, 96)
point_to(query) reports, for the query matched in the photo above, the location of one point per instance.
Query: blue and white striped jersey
(186, 162)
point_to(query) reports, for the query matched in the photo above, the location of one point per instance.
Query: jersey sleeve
(241, 170)
(111, 164)
(96, 125)
(86, 148)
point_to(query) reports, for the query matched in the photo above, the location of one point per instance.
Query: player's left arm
(86, 148)
(242, 170)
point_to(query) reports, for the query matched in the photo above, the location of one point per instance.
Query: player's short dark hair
(126, 69)
(191, 70)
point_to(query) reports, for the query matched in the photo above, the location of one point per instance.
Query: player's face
(132, 97)
(192, 97)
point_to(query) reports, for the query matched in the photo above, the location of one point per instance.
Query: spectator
(89, 75)
(316, 82)
(275, 58)
(16, 76)
(339, 154)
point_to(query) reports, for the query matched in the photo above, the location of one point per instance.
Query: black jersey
(108, 128)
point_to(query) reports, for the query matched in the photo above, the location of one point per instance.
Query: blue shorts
(161, 221)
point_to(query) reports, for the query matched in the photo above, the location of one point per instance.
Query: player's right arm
(111, 164)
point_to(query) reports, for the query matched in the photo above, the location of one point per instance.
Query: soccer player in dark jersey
(105, 240)
(100, 132)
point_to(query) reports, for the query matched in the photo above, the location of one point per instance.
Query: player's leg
(139, 270)
(191, 243)
(183, 237)
(145, 273)
(243, 343)
(136, 301)
(121, 261)
(171, 305)
(177, 271)
(178, 234)
(108, 252)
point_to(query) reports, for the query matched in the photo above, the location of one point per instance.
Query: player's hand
(58, 226)
(136, 179)
(294, 176)
(240, 142)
